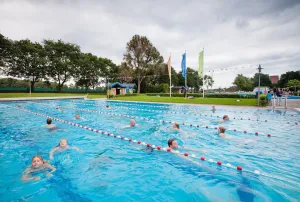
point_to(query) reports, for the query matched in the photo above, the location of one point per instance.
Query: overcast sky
(234, 34)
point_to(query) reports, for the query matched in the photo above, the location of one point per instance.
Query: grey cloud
(234, 33)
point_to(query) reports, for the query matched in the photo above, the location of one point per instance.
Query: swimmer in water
(172, 144)
(213, 108)
(37, 164)
(225, 118)
(57, 107)
(50, 125)
(77, 116)
(19, 105)
(107, 106)
(176, 126)
(221, 131)
(132, 123)
(62, 146)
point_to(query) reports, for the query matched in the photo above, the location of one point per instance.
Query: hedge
(206, 95)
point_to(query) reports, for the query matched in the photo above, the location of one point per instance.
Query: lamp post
(258, 94)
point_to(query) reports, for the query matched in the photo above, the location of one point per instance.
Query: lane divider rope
(154, 147)
(161, 121)
(182, 113)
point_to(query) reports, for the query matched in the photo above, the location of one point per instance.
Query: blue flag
(183, 65)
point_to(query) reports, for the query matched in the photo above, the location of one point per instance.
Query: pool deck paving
(291, 105)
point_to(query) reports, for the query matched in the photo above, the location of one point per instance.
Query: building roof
(120, 85)
(178, 88)
(274, 79)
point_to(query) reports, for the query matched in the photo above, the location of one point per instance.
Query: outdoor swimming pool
(120, 169)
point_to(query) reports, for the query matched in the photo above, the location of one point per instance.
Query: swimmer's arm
(76, 148)
(194, 150)
(53, 169)
(28, 176)
(51, 152)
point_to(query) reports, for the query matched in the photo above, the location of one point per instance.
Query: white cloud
(233, 33)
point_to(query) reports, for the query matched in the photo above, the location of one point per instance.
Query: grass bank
(216, 101)
(16, 95)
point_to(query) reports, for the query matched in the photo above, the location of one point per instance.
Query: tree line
(59, 62)
(289, 79)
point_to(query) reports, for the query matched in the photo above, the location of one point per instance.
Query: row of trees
(57, 61)
(60, 61)
(288, 79)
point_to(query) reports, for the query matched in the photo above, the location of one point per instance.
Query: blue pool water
(111, 169)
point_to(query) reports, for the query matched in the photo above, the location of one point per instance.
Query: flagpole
(170, 73)
(203, 73)
(185, 77)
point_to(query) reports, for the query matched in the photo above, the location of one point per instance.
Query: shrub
(206, 95)
(161, 88)
(263, 100)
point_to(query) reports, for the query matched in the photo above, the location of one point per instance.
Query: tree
(208, 81)
(27, 59)
(88, 70)
(110, 71)
(192, 81)
(294, 83)
(243, 82)
(141, 55)
(284, 78)
(160, 75)
(264, 80)
(5, 50)
(61, 60)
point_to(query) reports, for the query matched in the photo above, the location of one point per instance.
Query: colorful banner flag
(183, 65)
(200, 70)
(169, 66)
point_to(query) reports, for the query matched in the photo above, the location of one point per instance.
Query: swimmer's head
(77, 116)
(37, 161)
(172, 143)
(19, 105)
(49, 121)
(57, 107)
(132, 123)
(226, 118)
(107, 106)
(213, 108)
(176, 125)
(63, 143)
(221, 129)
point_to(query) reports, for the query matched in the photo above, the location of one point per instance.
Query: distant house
(274, 79)
(121, 89)
(180, 89)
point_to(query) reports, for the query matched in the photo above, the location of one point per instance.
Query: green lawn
(216, 101)
(16, 95)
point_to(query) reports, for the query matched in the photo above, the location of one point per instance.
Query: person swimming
(19, 105)
(225, 118)
(50, 125)
(132, 123)
(37, 164)
(107, 106)
(62, 146)
(176, 126)
(172, 144)
(77, 116)
(57, 107)
(221, 131)
(213, 108)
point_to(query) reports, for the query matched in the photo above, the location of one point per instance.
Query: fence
(48, 90)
